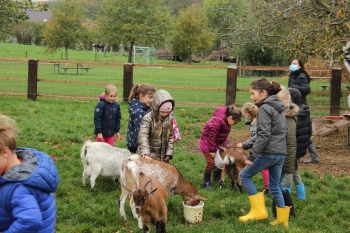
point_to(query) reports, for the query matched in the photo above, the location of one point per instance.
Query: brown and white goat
(168, 175)
(150, 203)
(233, 163)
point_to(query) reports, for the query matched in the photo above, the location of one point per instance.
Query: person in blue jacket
(28, 180)
(107, 116)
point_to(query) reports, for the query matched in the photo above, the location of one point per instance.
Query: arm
(26, 212)
(98, 114)
(117, 124)
(213, 130)
(248, 144)
(144, 134)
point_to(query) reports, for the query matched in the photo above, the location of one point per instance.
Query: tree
(29, 32)
(65, 28)
(142, 22)
(192, 33)
(175, 6)
(299, 27)
(14, 12)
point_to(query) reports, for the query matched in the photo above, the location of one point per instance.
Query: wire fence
(189, 85)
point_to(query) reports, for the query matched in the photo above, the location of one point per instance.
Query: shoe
(311, 161)
(257, 208)
(206, 181)
(282, 216)
(266, 192)
(207, 186)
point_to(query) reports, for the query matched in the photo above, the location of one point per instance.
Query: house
(39, 15)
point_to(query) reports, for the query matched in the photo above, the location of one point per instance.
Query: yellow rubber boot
(257, 208)
(282, 216)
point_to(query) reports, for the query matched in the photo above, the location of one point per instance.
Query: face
(247, 116)
(295, 62)
(111, 97)
(231, 121)
(146, 99)
(4, 160)
(256, 95)
(164, 114)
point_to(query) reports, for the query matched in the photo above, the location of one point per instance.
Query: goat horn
(144, 187)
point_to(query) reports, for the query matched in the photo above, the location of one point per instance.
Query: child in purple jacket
(214, 134)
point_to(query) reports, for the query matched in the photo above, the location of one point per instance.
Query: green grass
(59, 128)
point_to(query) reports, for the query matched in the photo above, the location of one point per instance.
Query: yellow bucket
(193, 214)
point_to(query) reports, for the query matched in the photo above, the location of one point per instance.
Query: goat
(233, 163)
(100, 158)
(150, 204)
(168, 175)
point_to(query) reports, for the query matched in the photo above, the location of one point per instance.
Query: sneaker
(207, 186)
(266, 192)
(311, 161)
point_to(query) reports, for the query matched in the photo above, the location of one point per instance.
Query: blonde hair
(160, 126)
(8, 133)
(110, 88)
(138, 89)
(251, 109)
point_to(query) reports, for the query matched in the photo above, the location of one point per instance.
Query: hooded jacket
(137, 111)
(148, 141)
(300, 80)
(271, 128)
(107, 118)
(27, 202)
(215, 132)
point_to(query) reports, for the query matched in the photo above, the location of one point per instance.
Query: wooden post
(32, 79)
(127, 80)
(231, 85)
(335, 91)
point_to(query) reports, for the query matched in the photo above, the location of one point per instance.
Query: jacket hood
(274, 102)
(304, 110)
(37, 171)
(135, 104)
(159, 98)
(221, 113)
(292, 110)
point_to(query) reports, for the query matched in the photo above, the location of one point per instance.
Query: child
(303, 134)
(107, 117)
(140, 101)
(269, 151)
(214, 135)
(250, 114)
(156, 135)
(28, 180)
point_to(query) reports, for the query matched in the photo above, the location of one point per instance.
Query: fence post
(32, 79)
(231, 85)
(127, 80)
(335, 91)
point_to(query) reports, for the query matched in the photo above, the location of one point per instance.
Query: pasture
(60, 126)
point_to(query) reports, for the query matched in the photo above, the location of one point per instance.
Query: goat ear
(153, 190)
(222, 149)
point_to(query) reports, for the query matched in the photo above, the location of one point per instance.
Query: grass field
(59, 128)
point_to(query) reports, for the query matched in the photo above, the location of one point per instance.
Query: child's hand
(212, 155)
(248, 162)
(167, 158)
(100, 137)
(239, 145)
(117, 137)
(147, 157)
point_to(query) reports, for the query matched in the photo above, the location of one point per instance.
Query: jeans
(274, 164)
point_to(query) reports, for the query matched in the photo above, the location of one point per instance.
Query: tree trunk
(66, 52)
(130, 51)
(105, 49)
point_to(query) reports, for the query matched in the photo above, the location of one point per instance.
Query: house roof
(39, 15)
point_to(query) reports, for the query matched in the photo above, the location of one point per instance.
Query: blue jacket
(107, 118)
(137, 111)
(27, 202)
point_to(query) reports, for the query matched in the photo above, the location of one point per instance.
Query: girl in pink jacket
(214, 134)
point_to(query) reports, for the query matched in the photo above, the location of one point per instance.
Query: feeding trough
(193, 214)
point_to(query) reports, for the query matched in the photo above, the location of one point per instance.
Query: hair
(8, 133)
(272, 88)
(138, 89)
(301, 63)
(160, 126)
(284, 96)
(235, 113)
(251, 109)
(110, 88)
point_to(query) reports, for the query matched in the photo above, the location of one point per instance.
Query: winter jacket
(271, 128)
(291, 120)
(215, 132)
(304, 130)
(27, 202)
(107, 118)
(148, 141)
(301, 81)
(137, 111)
(248, 144)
